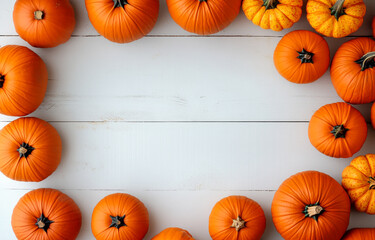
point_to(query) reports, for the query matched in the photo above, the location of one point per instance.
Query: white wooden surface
(178, 120)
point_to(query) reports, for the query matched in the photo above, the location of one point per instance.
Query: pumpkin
(44, 23)
(30, 149)
(46, 214)
(173, 234)
(353, 72)
(358, 179)
(360, 234)
(237, 218)
(123, 21)
(204, 16)
(119, 216)
(311, 205)
(273, 14)
(373, 115)
(23, 80)
(335, 18)
(337, 130)
(301, 56)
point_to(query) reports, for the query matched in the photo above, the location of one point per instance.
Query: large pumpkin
(119, 216)
(46, 214)
(358, 179)
(353, 72)
(23, 80)
(373, 115)
(44, 23)
(301, 56)
(360, 234)
(30, 149)
(337, 130)
(335, 18)
(123, 21)
(204, 16)
(311, 205)
(173, 234)
(237, 218)
(273, 14)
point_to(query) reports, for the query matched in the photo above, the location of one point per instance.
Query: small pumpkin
(335, 18)
(358, 179)
(353, 72)
(273, 14)
(23, 80)
(311, 205)
(123, 21)
(119, 216)
(337, 130)
(44, 23)
(173, 234)
(204, 16)
(301, 56)
(237, 218)
(360, 234)
(46, 214)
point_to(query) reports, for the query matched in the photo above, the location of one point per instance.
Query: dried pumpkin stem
(313, 211)
(120, 3)
(38, 15)
(367, 61)
(372, 183)
(305, 56)
(238, 224)
(117, 221)
(338, 9)
(22, 150)
(339, 131)
(270, 4)
(43, 222)
(2, 79)
(25, 150)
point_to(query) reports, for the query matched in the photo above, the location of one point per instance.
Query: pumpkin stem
(202, 0)
(43, 223)
(38, 15)
(120, 3)
(372, 183)
(2, 79)
(339, 131)
(367, 61)
(270, 4)
(118, 222)
(313, 211)
(338, 9)
(25, 150)
(238, 224)
(305, 56)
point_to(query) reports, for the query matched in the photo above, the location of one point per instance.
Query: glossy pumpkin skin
(237, 218)
(337, 130)
(119, 216)
(358, 179)
(360, 234)
(123, 21)
(23, 80)
(273, 14)
(301, 56)
(30, 149)
(44, 23)
(55, 206)
(312, 206)
(347, 18)
(173, 234)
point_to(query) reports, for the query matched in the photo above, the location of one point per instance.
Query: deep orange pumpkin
(373, 115)
(311, 205)
(301, 56)
(119, 216)
(237, 218)
(44, 23)
(46, 214)
(123, 21)
(30, 149)
(337, 130)
(23, 80)
(360, 234)
(204, 16)
(173, 234)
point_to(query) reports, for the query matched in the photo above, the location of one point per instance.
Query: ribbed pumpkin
(335, 18)
(204, 16)
(301, 56)
(30, 149)
(123, 21)
(273, 14)
(311, 205)
(360, 234)
(119, 216)
(237, 218)
(44, 23)
(353, 72)
(46, 214)
(173, 234)
(358, 179)
(337, 130)
(23, 80)
(373, 115)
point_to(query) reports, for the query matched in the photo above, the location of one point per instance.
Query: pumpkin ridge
(212, 16)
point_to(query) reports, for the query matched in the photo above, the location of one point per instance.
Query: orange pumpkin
(273, 14)
(204, 16)
(373, 115)
(23, 80)
(337, 130)
(353, 72)
(173, 234)
(30, 149)
(46, 214)
(237, 218)
(119, 216)
(358, 179)
(335, 18)
(123, 21)
(360, 234)
(44, 23)
(301, 56)
(311, 205)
